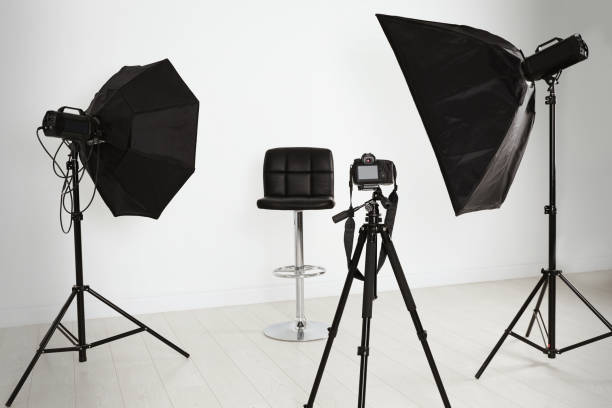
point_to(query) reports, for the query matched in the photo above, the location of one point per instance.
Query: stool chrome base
(289, 331)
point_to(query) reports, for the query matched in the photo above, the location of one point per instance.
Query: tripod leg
(536, 310)
(136, 321)
(41, 348)
(333, 330)
(552, 314)
(411, 305)
(369, 293)
(363, 352)
(511, 326)
(586, 302)
(80, 301)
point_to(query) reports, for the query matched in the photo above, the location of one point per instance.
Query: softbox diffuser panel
(475, 104)
(149, 120)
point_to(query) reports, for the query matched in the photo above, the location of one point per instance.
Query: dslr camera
(368, 173)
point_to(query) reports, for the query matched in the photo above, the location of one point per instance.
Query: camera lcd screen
(367, 172)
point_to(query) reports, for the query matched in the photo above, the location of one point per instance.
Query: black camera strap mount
(368, 237)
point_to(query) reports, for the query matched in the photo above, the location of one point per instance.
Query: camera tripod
(369, 232)
(79, 343)
(548, 281)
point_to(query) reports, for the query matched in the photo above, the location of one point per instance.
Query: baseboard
(424, 278)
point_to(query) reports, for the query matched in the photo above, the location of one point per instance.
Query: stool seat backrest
(298, 172)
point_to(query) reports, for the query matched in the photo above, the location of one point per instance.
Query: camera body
(368, 173)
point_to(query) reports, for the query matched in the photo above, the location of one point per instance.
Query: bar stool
(298, 179)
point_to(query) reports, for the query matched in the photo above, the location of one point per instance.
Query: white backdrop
(278, 73)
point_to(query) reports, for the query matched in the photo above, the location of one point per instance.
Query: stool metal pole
(299, 268)
(298, 329)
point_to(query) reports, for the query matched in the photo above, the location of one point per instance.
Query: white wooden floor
(234, 366)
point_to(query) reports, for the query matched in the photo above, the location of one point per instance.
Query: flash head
(79, 127)
(548, 59)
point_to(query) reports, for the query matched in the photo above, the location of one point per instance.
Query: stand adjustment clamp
(332, 332)
(554, 272)
(422, 335)
(548, 209)
(363, 351)
(358, 275)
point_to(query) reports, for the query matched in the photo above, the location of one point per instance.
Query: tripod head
(371, 206)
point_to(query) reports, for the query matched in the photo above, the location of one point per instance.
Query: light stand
(79, 343)
(369, 231)
(549, 276)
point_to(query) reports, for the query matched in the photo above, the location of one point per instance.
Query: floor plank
(141, 384)
(226, 380)
(96, 382)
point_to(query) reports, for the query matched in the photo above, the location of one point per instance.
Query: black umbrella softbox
(137, 140)
(475, 103)
(149, 120)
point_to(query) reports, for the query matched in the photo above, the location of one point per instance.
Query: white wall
(283, 73)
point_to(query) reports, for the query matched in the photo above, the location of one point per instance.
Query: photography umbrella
(149, 120)
(475, 103)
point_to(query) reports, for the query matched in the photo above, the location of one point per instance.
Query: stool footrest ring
(306, 271)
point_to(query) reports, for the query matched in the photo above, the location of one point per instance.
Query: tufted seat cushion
(298, 178)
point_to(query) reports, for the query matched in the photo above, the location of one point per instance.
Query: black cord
(82, 169)
(56, 166)
(93, 195)
(67, 188)
(63, 208)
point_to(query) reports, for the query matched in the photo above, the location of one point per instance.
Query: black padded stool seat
(298, 178)
(295, 203)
